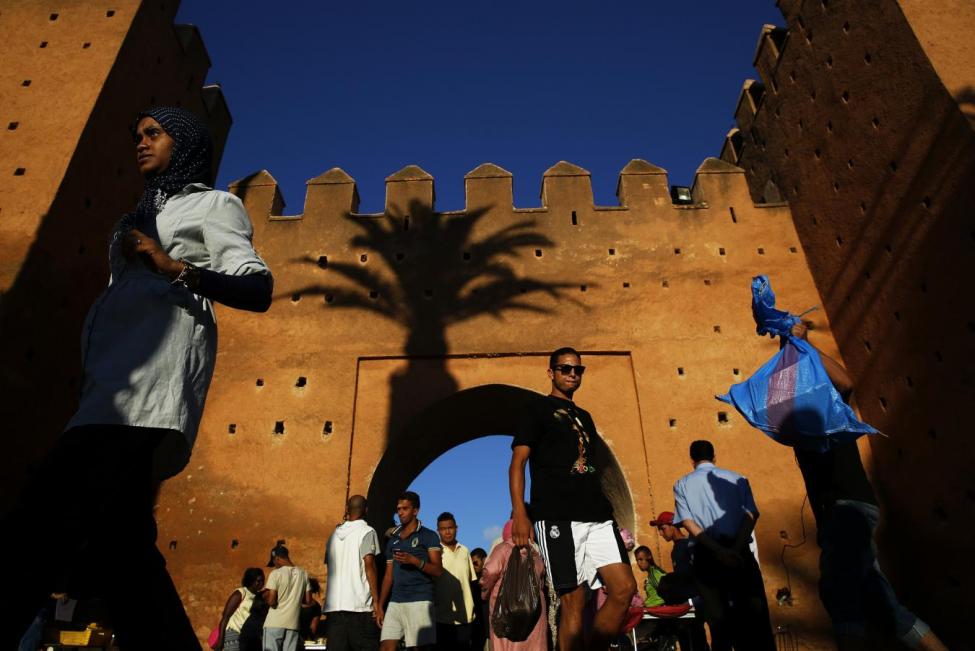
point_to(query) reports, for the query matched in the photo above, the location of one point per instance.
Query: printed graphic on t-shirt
(582, 465)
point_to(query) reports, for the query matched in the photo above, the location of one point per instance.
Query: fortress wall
(376, 318)
(864, 124)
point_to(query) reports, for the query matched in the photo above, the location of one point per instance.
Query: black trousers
(348, 631)
(734, 603)
(84, 525)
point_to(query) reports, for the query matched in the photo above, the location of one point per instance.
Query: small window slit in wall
(722, 417)
(883, 402)
(717, 329)
(538, 253)
(793, 249)
(736, 371)
(680, 370)
(323, 261)
(295, 297)
(279, 427)
(374, 295)
(734, 217)
(672, 423)
(301, 381)
(364, 258)
(260, 382)
(707, 281)
(575, 220)
(761, 251)
(583, 288)
(329, 298)
(232, 428)
(676, 251)
(665, 284)
(721, 251)
(234, 543)
(612, 251)
(626, 285)
(327, 428)
(172, 545)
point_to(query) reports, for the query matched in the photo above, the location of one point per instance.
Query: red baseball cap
(665, 517)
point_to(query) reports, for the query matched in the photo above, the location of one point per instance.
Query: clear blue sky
(373, 86)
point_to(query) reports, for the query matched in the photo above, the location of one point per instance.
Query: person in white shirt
(354, 613)
(287, 589)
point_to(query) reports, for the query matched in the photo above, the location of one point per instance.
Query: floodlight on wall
(681, 195)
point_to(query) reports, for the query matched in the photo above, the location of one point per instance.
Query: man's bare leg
(389, 645)
(570, 620)
(620, 587)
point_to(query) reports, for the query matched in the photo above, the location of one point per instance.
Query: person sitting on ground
(644, 560)
(238, 609)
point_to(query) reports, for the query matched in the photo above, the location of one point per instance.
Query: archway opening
(493, 411)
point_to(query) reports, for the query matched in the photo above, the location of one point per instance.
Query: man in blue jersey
(413, 556)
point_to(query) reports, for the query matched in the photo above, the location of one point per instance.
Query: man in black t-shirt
(573, 518)
(852, 587)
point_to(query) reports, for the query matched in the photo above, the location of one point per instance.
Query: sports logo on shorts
(554, 532)
(416, 541)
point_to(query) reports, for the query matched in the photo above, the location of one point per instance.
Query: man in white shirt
(352, 605)
(455, 603)
(286, 590)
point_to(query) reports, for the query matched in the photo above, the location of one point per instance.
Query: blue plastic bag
(768, 320)
(790, 397)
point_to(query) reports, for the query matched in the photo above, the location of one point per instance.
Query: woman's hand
(135, 243)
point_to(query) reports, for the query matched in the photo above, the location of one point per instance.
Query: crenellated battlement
(640, 184)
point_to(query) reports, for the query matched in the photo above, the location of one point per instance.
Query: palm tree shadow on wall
(436, 275)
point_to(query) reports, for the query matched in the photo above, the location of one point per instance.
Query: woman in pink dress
(491, 578)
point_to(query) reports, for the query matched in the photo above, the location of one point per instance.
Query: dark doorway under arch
(464, 416)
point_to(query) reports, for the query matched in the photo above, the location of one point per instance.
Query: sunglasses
(565, 369)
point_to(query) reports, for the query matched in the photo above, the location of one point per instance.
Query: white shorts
(411, 621)
(574, 551)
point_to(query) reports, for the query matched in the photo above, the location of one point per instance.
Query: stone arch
(470, 414)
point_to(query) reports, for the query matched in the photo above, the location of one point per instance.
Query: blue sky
(374, 86)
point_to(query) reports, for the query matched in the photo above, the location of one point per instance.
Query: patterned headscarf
(190, 161)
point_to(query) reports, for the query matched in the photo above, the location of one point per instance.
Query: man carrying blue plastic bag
(800, 399)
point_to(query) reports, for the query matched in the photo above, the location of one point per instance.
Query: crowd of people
(149, 347)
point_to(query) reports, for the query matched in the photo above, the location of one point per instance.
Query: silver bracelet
(189, 276)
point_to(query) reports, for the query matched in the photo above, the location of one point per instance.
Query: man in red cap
(680, 556)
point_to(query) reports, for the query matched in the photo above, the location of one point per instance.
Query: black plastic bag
(519, 602)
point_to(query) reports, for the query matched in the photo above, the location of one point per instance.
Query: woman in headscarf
(148, 351)
(491, 579)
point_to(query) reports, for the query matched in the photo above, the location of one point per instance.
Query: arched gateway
(455, 420)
